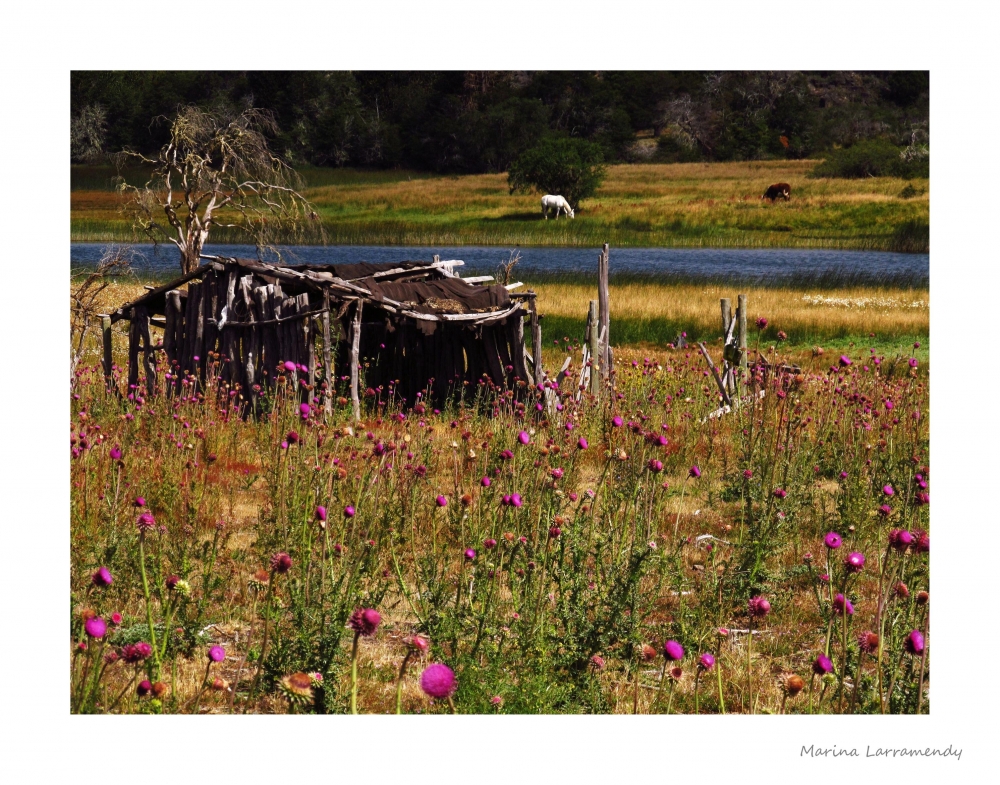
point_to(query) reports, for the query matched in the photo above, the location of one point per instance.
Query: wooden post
(106, 335)
(715, 372)
(604, 316)
(133, 352)
(727, 314)
(741, 315)
(142, 320)
(327, 362)
(593, 340)
(536, 340)
(355, 345)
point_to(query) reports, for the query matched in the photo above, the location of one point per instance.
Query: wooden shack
(417, 327)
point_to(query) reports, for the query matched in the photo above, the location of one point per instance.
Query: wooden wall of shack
(421, 330)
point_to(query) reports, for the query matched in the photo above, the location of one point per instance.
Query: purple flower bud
(115, 453)
(617, 422)
(485, 482)
(887, 490)
(582, 444)
(822, 665)
(470, 554)
(349, 511)
(102, 578)
(320, 512)
(758, 607)
(442, 501)
(524, 438)
(695, 472)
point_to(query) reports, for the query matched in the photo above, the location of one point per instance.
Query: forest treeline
(482, 121)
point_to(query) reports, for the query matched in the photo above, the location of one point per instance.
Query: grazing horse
(557, 203)
(778, 191)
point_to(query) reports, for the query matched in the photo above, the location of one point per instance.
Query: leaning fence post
(355, 345)
(741, 312)
(593, 340)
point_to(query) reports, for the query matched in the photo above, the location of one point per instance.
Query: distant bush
(673, 148)
(875, 158)
(572, 168)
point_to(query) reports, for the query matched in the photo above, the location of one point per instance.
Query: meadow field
(668, 205)
(621, 555)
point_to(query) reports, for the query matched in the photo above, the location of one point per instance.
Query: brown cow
(778, 191)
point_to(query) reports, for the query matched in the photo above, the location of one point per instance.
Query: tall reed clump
(539, 559)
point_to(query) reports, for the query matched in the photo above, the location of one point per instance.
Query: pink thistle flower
(673, 651)
(923, 542)
(115, 453)
(442, 501)
(95, 627)
(489, 543)
(102, 578)
(582, 444)
(758, 607)
(417, 643)
(524, 438)
(761, 323)
(822, 665)
(216, 654)
(655, 465)
(554, 532)
(900, 539)
(695, 472)
(144, 688)
(145, 522)
(281, 563)
(914, 642)
(913, 362)
(304, 409)
(486, 482)
(706, 662)
(841, 605)
(139, 502)
(855, 562)
(116, 619)
(780, 493)
(833, 540)
(289, 366)
(845, 360)
(320, 512)
(438, 681)
(470, 554)
(349, 511)
(365, 621)
(887, 490)
(515, 500)
(885, 510)
(597, 662)
(617, 422)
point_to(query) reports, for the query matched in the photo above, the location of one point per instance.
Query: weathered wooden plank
(108, 361)
(141, 319)
(133, 353)
(355, 344)
(594, 343)
(715, 373)
(327, 356)
(603, 316)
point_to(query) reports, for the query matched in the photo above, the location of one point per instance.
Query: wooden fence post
(741, 313)
(594, 343)
(106, 335)
(604, 317)
(327, 363)
(355, 344)
(536, 340)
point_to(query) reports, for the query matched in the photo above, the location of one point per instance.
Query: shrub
(573, 168)
(874, 158)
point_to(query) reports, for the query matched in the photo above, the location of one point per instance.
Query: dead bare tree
(217, 170)
(116, 262)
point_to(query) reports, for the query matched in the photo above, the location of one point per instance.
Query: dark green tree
(572, 168)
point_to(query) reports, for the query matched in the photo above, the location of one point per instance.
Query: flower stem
(354, 674)
(718, 674)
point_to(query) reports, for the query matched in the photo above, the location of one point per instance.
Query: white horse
(557, 203)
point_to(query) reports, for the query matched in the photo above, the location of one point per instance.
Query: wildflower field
(622, 555)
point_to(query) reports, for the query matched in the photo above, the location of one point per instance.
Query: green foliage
(873, 158)
(573, 168)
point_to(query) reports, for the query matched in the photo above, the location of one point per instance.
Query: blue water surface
(776, 266)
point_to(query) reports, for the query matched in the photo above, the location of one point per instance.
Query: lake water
(776, 266)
